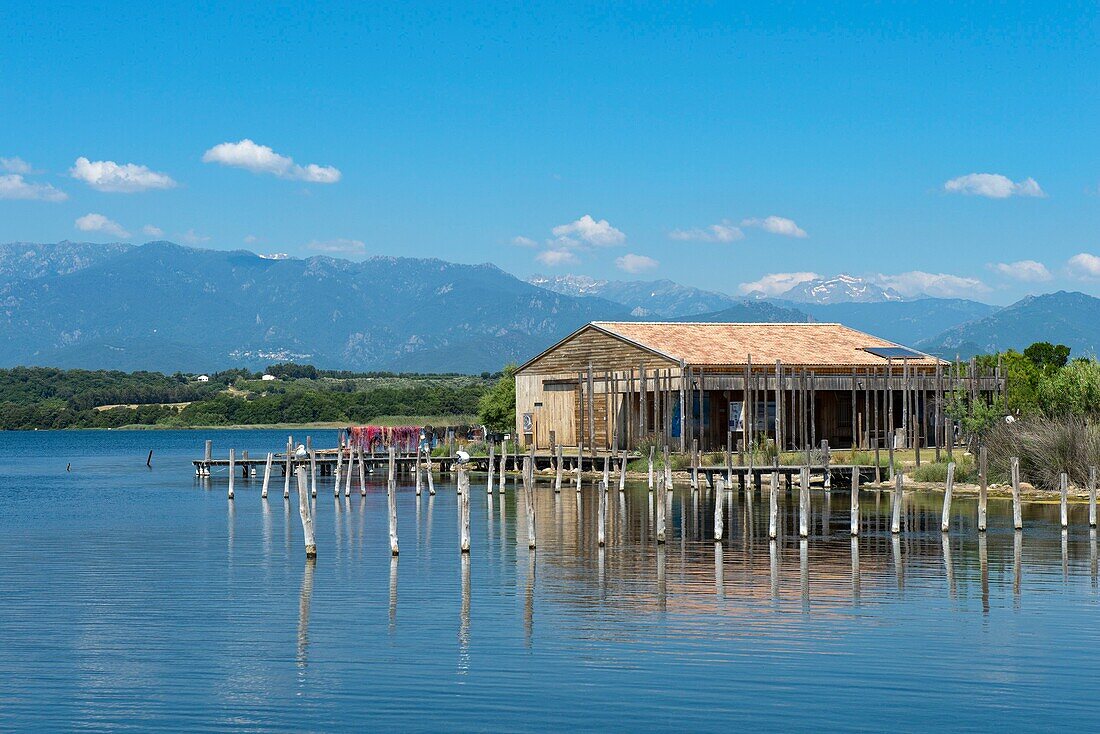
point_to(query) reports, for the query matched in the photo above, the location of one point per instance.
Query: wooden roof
(706, 344)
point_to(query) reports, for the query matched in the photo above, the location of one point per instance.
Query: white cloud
(338, 246)
(15, 165)
(993, 186)
(631, 263)
(191, 237)
(14, 186)
(556, 256)
(599, 233)
(1025, 270)
(774, 284)
(1084, 265)
(150, 230)
(724, 232)
(776, 225)
(918, 282)
(251, 239)
(99, 223)
(262, 159)
(127, 178)
(521, 241)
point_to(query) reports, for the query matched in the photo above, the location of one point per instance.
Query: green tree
(497, 407)
(1048, 357)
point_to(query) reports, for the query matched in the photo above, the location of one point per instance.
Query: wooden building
(616, 385)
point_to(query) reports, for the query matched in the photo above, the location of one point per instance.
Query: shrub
(936, 471)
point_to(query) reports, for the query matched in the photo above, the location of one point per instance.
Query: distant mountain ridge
(842, 288)
(655, 299)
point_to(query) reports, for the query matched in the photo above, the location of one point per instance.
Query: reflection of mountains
(827, 572)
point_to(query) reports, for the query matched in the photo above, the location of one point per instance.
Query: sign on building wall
(528, 422)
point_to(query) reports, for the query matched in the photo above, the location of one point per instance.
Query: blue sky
(718, 145)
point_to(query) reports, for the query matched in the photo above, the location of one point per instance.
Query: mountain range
(165, 307)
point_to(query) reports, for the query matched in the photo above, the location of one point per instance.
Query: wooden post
(683, 404)
(855, 417)
(651, 450)
(267, 475)
(339, 466)
(1017, 510)
(607, 469)
(729, 456)
(347, 482)
(668, 471)
(695, 464)
(313, 472)
(363, 473)
(232, 470)
(855, 501)
(286, 470)
(464, 509)
(391, 501)
(1063, 488)
(622, 473)
(306, 514)
(419, 474)
(529, 499)
(660, 500)
(1092, 496)
(428, 471)
(558, 468)
(804, 503)
(492, 460)
(890, 413)
(580, 467)
(983, 489)
(877, 395)
(773, 505)
(719, 501)
(601, 515)
(208, 454)
(504, 464)
(895, 520)
(778, 407)
(915, 421)
(591, 414)
(936, 422)
(945, 521)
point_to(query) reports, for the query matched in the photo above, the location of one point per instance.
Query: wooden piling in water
(391, 501)
(419, 469)
(287, 470)
(668, 472)
(306, 514)
(660, 501)
(503, 464)
(339, 468)
(601, 516)
(895, 519)
(945, 521)
(804, 502)
(983, 488)
(492, 460)
(232, 472)
(695, 464)
(312, 472)
(854, 520)
(559, 467)
(529, 498)
(1017, 510)
(428, 473)
(267, 475)
(773, 505)
(1063, 488)
(347, 482)
(622, 473)
(719, 502)
(464, 509)
(1092, 496)
(651, 450)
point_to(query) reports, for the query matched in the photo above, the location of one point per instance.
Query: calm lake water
(141, 599)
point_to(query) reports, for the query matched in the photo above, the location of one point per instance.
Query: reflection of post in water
(304, 598)
(948, 565)
(393, 593)
(464, 615)
(855, 569)
(719, 572)
(773, 558)
(489, 515)
(804, 572)
(1017, 563)
(1065, 555)
(895, 546)
(983, 564)
(1092, 555)
(529, 599)
(231, 523)
(601, 562)
(266, 528)
(662, 591)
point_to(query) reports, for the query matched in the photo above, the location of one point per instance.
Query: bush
(936, 471)
(1046, 447)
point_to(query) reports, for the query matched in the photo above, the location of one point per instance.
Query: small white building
(202, 378)
(268, 378)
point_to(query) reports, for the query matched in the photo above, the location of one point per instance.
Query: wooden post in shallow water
(804, 502)
(503, 464)
(855, 503)
(719, 501)
(492, 460)
(232, 465)
(339, 468)
(895, 519)
(651, 450)
(287, 470)
(391, 502)
(661, 504)
(580, 465)
(529, 498)
(695, 464)
(267, 475)
(1092, 496)
(622, 473)
(1063, 489)
(1017, 510)
(428, 472)
(464, 509)
(347, 483)
(312, 473)
(306, 514)
(773, 505)
(363, 473)
(559, 462)
(945, 521)
(983, 489)
(601, 516)
(420, 473)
